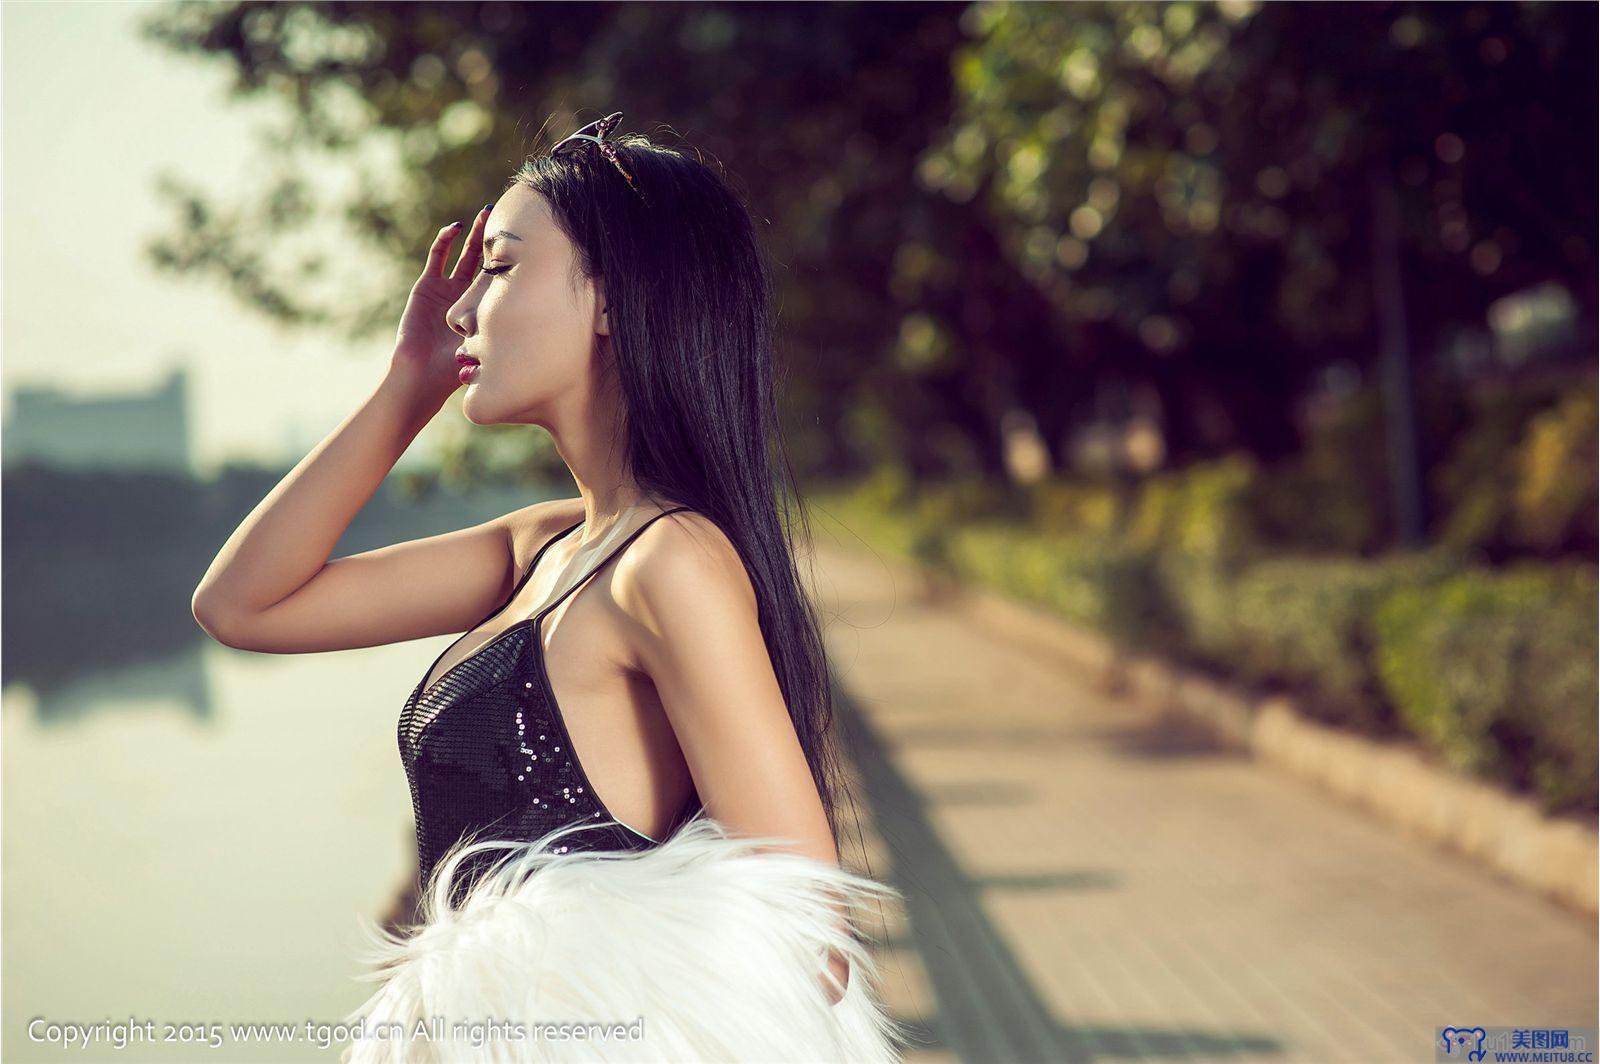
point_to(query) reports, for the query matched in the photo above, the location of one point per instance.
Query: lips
(464, 359)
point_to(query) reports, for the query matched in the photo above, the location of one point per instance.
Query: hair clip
(601, 127)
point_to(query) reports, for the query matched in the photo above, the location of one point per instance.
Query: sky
(92, 114)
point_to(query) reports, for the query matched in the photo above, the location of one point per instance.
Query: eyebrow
(501, 235)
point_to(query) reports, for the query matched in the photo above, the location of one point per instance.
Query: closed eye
(497, 270)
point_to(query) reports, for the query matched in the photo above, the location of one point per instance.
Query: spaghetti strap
(430, 682)
(526, 574)
(603, 562)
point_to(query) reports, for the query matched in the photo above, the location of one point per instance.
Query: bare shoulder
(684, 564)
(532, 526)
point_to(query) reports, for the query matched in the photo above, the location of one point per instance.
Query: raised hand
(424, 350)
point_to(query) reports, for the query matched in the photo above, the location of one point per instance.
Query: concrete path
(1088, 880)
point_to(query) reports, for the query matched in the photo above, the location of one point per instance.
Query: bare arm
(699, 638)
(272, 586)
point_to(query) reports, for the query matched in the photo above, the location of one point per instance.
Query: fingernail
(455, 225)
(488, 206)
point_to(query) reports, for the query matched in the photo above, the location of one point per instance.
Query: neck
(587, 437)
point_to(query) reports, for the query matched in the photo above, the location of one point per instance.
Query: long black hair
(690, 303)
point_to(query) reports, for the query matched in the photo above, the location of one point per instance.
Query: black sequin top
(486, 751)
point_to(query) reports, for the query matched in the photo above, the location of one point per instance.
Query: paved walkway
(1087, 880)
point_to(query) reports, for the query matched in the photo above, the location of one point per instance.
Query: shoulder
(683, 566)
(531, 527)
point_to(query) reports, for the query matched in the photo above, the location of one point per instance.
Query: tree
(1190, 183)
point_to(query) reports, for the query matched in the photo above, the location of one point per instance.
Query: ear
(601, 325)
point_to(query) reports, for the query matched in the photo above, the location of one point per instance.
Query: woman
(684, 872)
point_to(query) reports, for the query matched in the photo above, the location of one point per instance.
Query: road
(1087, 879)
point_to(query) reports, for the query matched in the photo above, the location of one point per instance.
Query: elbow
(214, 620)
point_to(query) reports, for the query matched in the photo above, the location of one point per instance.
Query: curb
(1504, 832)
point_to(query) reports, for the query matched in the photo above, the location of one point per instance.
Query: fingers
(472, 253)
(440, 248)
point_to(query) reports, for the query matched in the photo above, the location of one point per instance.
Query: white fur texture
(716, 942)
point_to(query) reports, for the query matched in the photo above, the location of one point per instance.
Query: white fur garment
(709, 947)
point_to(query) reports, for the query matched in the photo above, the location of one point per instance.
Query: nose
(458, 317)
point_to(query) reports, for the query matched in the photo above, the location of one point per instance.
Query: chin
(472, 409)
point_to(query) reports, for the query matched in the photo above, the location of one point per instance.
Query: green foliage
(1154, 511)
(1185, 184)
(968, 499)
(1307, 622)
(1096, 507)
(1334, 495)
(1203, 136)
(1201, 513)
(875, 509)
(1201, 596)
(1553, 503)
(940, 512)
(1091, 580)
(1522, 477)
(887, 487)
(1496, 671)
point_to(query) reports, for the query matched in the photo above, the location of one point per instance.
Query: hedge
(1494, 670)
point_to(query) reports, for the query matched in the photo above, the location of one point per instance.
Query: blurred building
(141, 430)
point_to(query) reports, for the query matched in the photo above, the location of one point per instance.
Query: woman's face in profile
(533, 335)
